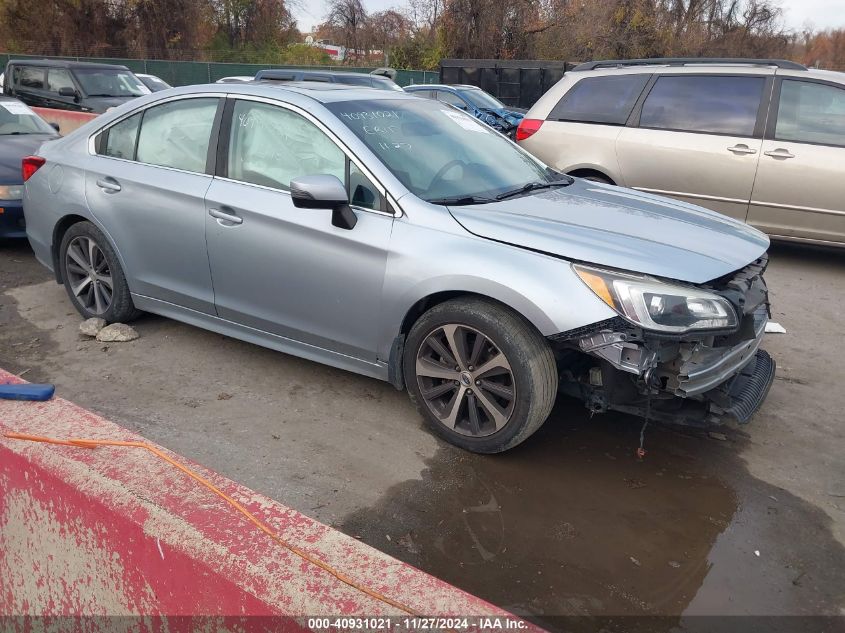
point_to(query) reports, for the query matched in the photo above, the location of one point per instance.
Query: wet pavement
(574, 524)
(566, 528)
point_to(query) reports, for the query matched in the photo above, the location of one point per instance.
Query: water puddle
(573, 524)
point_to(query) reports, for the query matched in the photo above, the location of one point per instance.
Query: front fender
(424, 262)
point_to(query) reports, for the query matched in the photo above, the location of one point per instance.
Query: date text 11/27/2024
(485, 623)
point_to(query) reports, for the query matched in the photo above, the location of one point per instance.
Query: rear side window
(32, 77)
(711, 103)
(121, 139)
(177, 134)
(607, 99)
(811, 113)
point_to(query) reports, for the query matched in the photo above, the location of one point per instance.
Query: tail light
(527, 127)
(30, 165)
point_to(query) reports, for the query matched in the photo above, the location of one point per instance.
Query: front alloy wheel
(465, 380)
(480, 374)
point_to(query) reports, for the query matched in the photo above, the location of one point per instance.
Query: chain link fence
(179, 73)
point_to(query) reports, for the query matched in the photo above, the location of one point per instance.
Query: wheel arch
(61, 227)
(586, 172)
(536, 319)
(59, 230)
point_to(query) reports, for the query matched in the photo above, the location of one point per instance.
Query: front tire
(93, 277)
(482, 377)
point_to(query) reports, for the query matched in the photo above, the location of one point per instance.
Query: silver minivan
(759, 140)
(407, 241)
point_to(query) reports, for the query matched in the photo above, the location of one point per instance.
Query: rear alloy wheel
(92, 275)
(89, 276)
(482, 377)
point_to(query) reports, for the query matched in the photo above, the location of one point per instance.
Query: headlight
(657, 305)
(11, 192)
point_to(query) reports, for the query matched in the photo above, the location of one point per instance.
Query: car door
(146, 186)
(286, 270)
(799, 191)
(697, 138)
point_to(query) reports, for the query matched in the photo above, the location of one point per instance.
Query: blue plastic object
(26, 392)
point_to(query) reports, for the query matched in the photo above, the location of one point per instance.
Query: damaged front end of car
(677, 353)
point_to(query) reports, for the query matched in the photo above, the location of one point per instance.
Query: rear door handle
(108, 184)
(780, 152)
(226, 215)
(742, 148)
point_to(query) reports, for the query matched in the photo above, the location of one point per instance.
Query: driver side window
(270, 146)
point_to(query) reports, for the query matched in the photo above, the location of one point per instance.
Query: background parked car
(69, 85)
(759, 140)
(155, 84)
(482, 105)
(235, 79)
(21, 133)
(369, 80)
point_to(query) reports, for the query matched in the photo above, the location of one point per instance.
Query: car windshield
(16, 118)
(107, 82)
(438, 152)
(482, 100)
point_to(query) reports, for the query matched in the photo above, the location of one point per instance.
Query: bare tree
(347, 18)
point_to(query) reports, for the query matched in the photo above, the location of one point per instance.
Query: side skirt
(259, 337)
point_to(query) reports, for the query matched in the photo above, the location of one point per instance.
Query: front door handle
(225, 216)
(780, 152)
(742, 148)
(108, 184)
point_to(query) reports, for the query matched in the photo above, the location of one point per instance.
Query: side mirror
(67, 91)
(324, 192)
(55, 126)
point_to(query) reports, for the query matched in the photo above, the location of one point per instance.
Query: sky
(820, 14)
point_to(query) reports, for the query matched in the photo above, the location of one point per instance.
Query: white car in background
(235, 79)
(155, 84)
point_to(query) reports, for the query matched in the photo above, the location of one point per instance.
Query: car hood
(619, 228)
(13, 149)
(511, 115)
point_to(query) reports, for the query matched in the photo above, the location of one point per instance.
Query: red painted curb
(68, 120)
(117, 530)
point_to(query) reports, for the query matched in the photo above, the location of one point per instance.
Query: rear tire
(93, 277)
(482, 377)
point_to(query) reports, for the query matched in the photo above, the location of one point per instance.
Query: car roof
(321, 92)
(687, 61)
(312, 71)
(317, 91)
(442, 87)
(63, 63)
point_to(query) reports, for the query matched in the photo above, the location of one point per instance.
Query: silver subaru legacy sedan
(404, 240)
